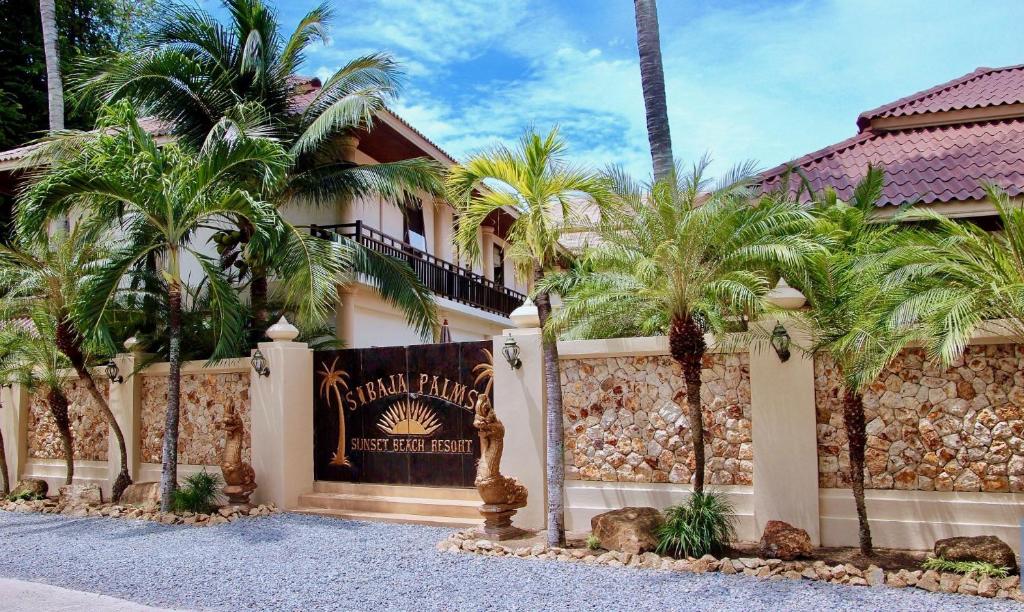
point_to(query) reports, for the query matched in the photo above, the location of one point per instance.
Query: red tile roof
(982, 88)
(932, 163)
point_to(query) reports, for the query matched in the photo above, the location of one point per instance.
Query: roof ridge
(864, 119)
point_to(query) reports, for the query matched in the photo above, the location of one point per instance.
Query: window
(415, 232)
(499, 265)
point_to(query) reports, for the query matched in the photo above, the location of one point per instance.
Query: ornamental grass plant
(701, 525)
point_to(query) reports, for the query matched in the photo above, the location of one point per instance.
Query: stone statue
(501, 495)
(239, 477)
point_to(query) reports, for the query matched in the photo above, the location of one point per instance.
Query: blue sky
(767, 81)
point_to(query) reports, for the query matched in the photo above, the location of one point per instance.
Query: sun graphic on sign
(409, 418)
(333, 384)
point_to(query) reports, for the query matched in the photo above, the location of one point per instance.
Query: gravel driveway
(294, 562)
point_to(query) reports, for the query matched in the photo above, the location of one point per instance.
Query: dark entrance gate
(399, 415)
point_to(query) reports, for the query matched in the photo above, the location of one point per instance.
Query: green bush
(979, 569)
(25, 496)
(593, 542)
(700, 525)
(200, 493)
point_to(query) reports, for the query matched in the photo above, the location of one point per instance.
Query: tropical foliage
(535, 180)
(199, 494)
(684, 258)
(701, 525)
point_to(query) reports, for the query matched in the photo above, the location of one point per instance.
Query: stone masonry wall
(204, 397)
(625, 420)
(929, 429)
(89, 429)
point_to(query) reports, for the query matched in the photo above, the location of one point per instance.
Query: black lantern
(511, 352)
(259, 363)
(113, 372)
(780, 342)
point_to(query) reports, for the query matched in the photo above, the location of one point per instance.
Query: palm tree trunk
(69, 343)
(169, 473)
(652, 79)
(856, 437)
(58, 404)
(54, 86)
(555, 431)
(686, 343)
(258, 303)
(5, 487)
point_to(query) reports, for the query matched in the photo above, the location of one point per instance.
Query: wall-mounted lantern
(259, 363)
(511, 352)
(780, 342)
(113, 372)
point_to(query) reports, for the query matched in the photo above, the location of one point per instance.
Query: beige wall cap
(526, 315)
(785, 297)
(282, 331)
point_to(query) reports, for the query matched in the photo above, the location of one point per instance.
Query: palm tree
(686, 259)
(46, 275)
(955, 278)
(5, 486)
(54, 86)
(202, 76)
(652, 79)
(154, 199)
(534, 179)
(841, 283)
(29, 357)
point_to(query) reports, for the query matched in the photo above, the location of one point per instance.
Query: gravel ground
(294, 562)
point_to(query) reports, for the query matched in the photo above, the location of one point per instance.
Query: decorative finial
(282, 331)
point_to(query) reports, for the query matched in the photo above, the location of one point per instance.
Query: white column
(487, 252)
(125, 399)
(282, 422)
(442, 247)
(14, 402)
(345, 316)
(519, 404)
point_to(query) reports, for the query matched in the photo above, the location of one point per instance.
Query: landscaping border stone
(470, 541)
(143, 512)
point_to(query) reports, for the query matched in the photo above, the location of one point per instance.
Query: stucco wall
(204, 397)
(625, 419)
(932, 429)
(88, 426)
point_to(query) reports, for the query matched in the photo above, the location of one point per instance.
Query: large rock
(81, 495)
(34, 487)
(141, 494)
(781, 540)
(631, 530)
(978, 548)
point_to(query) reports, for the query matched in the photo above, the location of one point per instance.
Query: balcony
(443, 278)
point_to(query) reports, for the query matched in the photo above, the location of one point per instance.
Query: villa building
(475, 298)
(938, 147)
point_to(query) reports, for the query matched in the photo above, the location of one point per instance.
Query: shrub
(979, 569)
(700, 525)
(593, 542)
(25, 496)
(200, 493)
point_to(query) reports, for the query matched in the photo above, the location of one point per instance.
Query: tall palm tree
(203, 76)
(29, 357)
(841, 283)
(153, 200)
(46, 275)
(534, 179)
(54, 84)
(684, 258)
(652, 79)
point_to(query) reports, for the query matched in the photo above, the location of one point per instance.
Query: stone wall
(929, 429)
(204, 397)
(89, 428)
(625, 419)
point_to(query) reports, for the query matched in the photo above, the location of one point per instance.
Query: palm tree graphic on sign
(333, 385)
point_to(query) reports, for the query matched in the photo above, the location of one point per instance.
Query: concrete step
(425, 506)
(386, 490)
(390, 517)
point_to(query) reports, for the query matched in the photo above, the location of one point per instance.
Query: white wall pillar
(785, 437)
(519, 404)
(442, 247)
(282, 423)
(125, 401)
(345, 316)
(14, 402)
